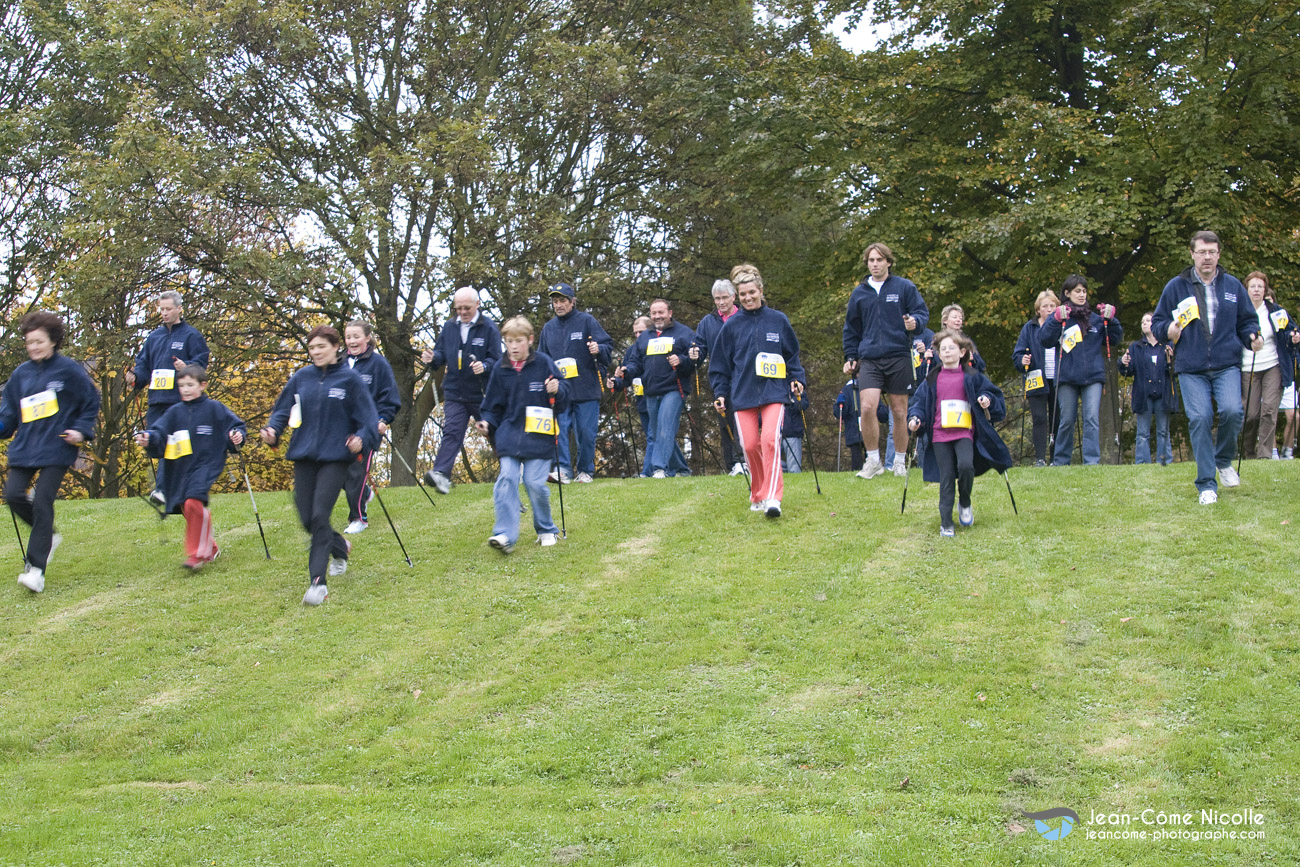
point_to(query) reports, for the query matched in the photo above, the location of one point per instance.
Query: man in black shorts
(882, 310)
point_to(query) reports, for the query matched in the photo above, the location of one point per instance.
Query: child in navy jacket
(524, 395)
(193, 437)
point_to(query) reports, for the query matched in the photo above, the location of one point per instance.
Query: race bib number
(295, 414)
(41, 405)
(1280, 319)
(1072, 337)
(567, 366)
(539, 420)
(769, 365)
(660, 346)
(954, 414)
(164, 378)
(178, 445)
(638, 388)
(916, 356)
(1033, 380)
(1186, 311)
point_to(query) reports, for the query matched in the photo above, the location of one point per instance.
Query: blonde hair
(517, 326)
(746, 273)
(943, 317)
(1045, 295)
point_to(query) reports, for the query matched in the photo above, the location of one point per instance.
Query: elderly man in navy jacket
(1205, 314)
(468, 346)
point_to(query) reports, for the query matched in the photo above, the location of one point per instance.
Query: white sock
(874, 455)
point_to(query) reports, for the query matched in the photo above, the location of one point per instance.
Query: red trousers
(199, 544)
(759, 430)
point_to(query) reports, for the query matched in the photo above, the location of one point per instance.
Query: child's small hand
(141, 439)
(913, 424)
(983, 401)
(552, 385)
(237, 437)
(269, 436)
(354, 444)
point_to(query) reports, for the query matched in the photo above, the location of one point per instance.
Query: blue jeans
(665, 417)
(1223, 387)
(1142, 447)
(676, 464)
(791, 454)
(1067, 399)
(505, 496)
(583, 417)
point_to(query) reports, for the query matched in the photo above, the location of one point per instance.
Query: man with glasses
(469, 346)
(1205, 314)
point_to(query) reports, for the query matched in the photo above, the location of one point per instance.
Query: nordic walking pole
(1241, 437)
(19, 534)
(1003, 474)
(1114, 392)
(907, 470)
(391, 526)
(839, 443)
(564, 533)
(812, 459)
(244, 469)
(419, 483)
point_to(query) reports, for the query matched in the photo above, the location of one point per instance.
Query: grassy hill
(682, 681)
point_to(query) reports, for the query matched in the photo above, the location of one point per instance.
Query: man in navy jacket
(581, 350)
(1205, 314)
(883, 309)
(167, 349)
(724, 303)
(661, 358)
(467, 346)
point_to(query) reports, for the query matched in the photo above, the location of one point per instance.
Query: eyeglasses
(465, 307)
(1205, 254)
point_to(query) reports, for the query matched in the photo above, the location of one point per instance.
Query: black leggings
(316, 487)
(356, 488)
(1040, 406)
(956, 465)
(37, 511)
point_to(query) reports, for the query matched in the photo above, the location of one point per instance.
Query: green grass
(680, 682)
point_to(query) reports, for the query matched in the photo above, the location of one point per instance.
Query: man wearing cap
(168, 348)
(469, 346)
(581, 350)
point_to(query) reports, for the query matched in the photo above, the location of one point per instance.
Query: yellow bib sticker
(567, 366)
(41, 405)
(1072, 337)
(660, 346)
(164, 378)
(178, 445)
(638, 388)
(1033, 380)
(954, 414)
(916, 356)
(1280, 319)
(539, 420)
(1186, 311)
(295, 414)
(769, 365)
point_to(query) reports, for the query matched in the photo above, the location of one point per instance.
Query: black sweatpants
(356, 488)
(956, 469)
(37, 511)
(316, 488)
(1040, 409)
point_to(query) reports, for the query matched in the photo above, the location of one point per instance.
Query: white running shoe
(438, 482)
(659, 474)
(773, 508)
(900, 466)
(965, 515)
(501, 543)
(1209, 498)
(1229, 477)
(315, 594)
(33, 579)
(356, 527)
(546, 540)
(737, 469)
(584, 478)
(758, 507)
(339, 565)
(947, 532)
(872, 468)
(157, 497)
